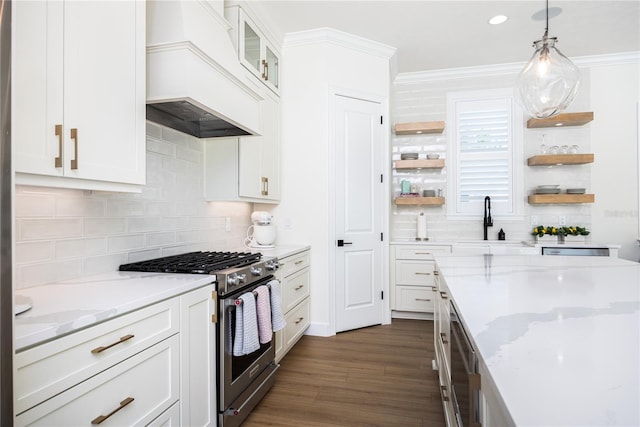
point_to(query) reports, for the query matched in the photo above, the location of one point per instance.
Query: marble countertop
(560, 336)
(64, 307)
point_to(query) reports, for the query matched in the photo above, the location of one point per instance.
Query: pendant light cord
(546, 28)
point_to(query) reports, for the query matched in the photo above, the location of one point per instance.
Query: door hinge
(380, 119)
(381, 294)
(382, 237)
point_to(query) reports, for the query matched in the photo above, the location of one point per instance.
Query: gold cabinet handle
(102, 418)
(443, 295)
(422, 274)
(435, 273)
(434, 289)
(444, 393)
(423, 299)
(443, 337)
(265, 67)
(422, 253)
(265, 186)
(214, 297)
(300, 319)
(58, 160)
(74, 136)
(297, 288)
(298, 262)
(106, 347)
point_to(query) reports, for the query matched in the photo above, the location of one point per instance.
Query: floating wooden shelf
(560, 159)
(540, 199)
(414, 200)
(417, 128)
(419, 164)
(566, 119)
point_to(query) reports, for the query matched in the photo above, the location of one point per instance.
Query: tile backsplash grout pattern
(64, 234)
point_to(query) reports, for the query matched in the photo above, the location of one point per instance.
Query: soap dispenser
(501, 234)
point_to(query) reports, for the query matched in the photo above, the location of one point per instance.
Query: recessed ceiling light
(498, 19)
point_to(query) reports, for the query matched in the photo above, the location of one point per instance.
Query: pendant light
(549, 82)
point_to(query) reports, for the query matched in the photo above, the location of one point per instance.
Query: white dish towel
(277, 317)
(246, 333)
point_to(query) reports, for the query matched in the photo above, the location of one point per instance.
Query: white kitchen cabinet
(412, 279)
(442, 344)
(255, 51)
(294, 275)
(247, 168)
(133, 392)
(198, 357)
(78, 94)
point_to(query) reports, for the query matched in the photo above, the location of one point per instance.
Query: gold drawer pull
(444, 393)
(434, 289)
(443, 337)
(435, 273)
(443, 295)
(58, 160)
(298, 287)
(422, 274)
(74, 136)
(120, 341)
(299, 262)
(102, 418)
(423, 299)
(300, 319)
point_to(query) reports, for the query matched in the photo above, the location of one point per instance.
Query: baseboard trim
(319, 330)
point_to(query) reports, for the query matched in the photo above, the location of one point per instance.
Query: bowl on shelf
(433, 156)
(409, 156)
(575, 190)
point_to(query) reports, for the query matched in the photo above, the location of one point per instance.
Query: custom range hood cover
(193, 74)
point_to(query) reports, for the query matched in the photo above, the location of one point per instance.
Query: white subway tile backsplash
(64, 234)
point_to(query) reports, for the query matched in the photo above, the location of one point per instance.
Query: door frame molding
(331, 146)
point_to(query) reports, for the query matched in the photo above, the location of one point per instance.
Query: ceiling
(430, 34)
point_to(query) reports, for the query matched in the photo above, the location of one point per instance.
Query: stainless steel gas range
(242, 380)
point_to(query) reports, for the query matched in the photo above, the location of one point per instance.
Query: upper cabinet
(78, 94)
(560, 120)
(255, 52)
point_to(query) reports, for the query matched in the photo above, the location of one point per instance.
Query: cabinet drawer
(151, 378)
(420, 252)
(169, 418)
(294, 263)
(414, 272)
(295, 288)
(413, 298)
(50, 368)
(297, 322)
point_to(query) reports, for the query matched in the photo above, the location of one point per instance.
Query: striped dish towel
(246, 334)
(277, 317)
(263, 308)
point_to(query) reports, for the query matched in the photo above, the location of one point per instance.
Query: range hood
(194, 79)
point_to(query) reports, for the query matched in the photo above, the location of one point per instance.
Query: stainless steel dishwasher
(575, 251)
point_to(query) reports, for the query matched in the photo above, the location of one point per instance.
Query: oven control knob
(256, 271)
(242, 278)
(232, 279)
(271, 265)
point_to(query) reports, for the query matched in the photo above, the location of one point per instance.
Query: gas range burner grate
(194, 262)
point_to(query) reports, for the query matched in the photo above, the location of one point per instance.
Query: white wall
(611, 92)
(63, 234)
(313, 64)
(615, 92)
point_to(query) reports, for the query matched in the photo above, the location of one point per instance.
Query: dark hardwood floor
(376, 376)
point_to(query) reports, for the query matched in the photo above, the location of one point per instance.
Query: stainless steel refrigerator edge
(6, 215)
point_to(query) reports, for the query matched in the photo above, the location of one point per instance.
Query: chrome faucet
(488, 222)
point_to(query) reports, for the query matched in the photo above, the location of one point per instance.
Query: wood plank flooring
(376, 376)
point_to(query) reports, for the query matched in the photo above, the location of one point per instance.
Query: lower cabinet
(412, 279)
(295, 279)
(154, 366)
(442, 344)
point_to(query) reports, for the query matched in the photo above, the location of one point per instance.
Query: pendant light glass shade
(549, 82)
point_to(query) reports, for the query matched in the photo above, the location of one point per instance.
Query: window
(485, 145)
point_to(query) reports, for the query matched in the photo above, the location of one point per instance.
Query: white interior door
(358, 212)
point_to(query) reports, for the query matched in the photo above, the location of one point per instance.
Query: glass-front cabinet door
(257, 54)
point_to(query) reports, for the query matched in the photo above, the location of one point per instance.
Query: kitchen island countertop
(64, 307)
(560, 336)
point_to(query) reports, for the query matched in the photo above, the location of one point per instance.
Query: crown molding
(624, 58)
(339, 38)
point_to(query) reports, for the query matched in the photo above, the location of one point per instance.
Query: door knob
(343, 243)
